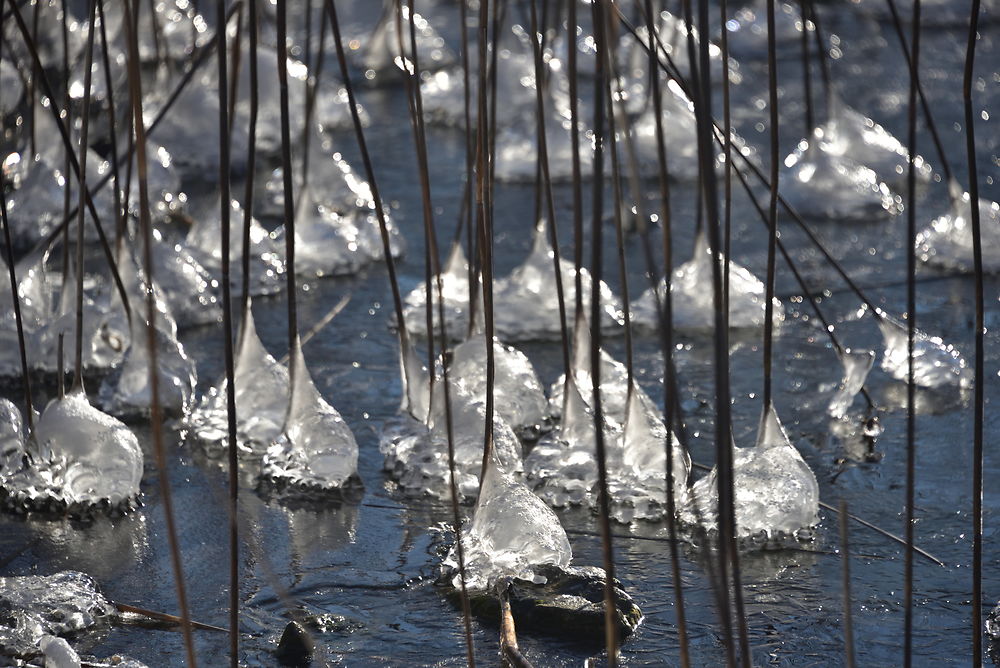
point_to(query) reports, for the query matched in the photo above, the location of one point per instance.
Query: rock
(295, 647)
(569, 604)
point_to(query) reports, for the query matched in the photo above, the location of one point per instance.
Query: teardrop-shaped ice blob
(857, 364)
(316, 449)
(185, 284)
(562, 467)
(679, 135)
(380, 55)
(852, 135)
(935, 363)
(512, 532)
(693, 305)
(190, 129)
(517, 393)
(129, 391)
(525, 305)
(261, 397)
(454, 292)
(614, 378)
(776, 493)
(417, 455)
(637, 476)
(77, 456)
(204, 242)
(822, 185)
(331, 243)
(517, 150)
(947, 241)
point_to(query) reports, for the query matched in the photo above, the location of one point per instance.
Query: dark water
(369, 568)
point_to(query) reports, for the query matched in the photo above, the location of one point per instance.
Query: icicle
(947, 241)
(776, 492)
(857, 364)
(935, 363)
(693, 308)
(511, 534)
(316, 449)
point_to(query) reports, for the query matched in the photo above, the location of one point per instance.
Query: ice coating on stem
(693, 305)
(947, 241)
(512, 532)
(416, 384)
(857, 364)
(822, 185)
(525, 305)
(37, 607)
(517, 393)
(776, 493)
(77, 457)
(416, 455)
(316, 449)
(455, 293)
(261, 398)
(936, 364)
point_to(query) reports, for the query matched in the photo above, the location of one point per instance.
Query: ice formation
(204, 243)
(416, 454)
(380, 55)
(748, 29)
(562, 467)
(77, 457)
(852, 135)
(190, 129)
(261, 398)
(693, 307)
(455, 293)
(947, 241)
(38, 607)
(316, 449)
(614, 378)
(822, 185)
(512, 533)
(857, 364)
(516, 151)
(128, 391)
(525, 305)
(517, 393)
(935, 363)
(679, 135)
(776, 493)
(184, 283)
